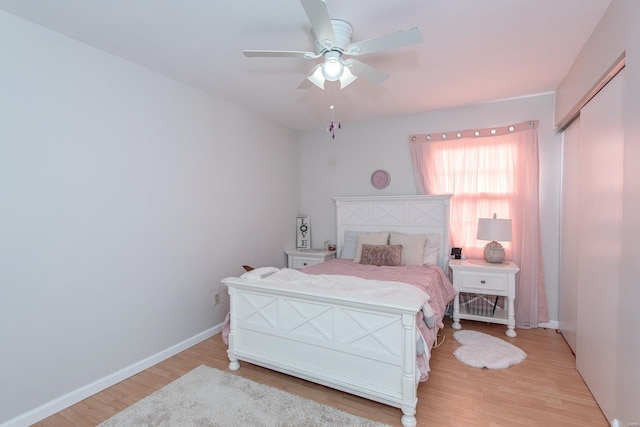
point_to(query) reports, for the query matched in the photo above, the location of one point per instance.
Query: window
(482, 179)
(490, 171)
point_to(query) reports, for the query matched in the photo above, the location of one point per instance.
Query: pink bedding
(428, 278)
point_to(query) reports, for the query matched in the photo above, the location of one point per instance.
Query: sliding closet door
(599, 241)
(568, 284)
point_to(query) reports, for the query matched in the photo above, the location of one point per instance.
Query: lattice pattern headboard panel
(405, 214)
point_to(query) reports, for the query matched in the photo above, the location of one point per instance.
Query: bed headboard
(404, 214)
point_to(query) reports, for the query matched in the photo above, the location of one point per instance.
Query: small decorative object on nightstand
(303, 232)
(301, 258)
(496, 230)
(481, 279)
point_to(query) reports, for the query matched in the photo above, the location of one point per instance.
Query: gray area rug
(209, 397)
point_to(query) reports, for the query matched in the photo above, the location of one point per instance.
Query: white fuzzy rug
(485, 351)
(209, 397)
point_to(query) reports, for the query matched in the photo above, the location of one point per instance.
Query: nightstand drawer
(484, 283)
(302, 258)
(300, 262)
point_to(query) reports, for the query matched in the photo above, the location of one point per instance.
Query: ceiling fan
(333, 42)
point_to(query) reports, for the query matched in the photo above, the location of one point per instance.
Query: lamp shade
(494, 229)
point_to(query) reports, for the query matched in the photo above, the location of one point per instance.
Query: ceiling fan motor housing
(342, 31)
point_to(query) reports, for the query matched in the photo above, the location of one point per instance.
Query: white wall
(124, 198)
(342, 167)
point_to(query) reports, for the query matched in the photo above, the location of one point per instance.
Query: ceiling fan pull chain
(333, 125)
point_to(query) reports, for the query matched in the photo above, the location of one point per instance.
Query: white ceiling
(473, 52)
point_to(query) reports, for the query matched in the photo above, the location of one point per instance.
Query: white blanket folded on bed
(349, 286)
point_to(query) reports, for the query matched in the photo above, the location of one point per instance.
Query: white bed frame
(361, 347)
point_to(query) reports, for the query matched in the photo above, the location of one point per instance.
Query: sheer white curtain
(490, 171)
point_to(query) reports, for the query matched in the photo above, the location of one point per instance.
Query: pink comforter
(430, 279)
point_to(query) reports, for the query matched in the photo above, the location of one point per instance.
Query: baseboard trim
(551, 324)
(56, 405)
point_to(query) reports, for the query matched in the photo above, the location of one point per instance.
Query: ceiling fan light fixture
(332, 67)
(316, 77)
(332, 40)
(347, 78)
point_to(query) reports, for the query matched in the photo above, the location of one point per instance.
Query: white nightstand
(301, 258)
(483, 278)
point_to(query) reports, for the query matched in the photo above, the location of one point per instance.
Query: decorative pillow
(431, 249)
(381, 254)
(370, 239)
(412, 247)
(349, 245)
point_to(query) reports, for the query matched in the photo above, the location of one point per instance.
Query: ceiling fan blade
(365, 71)
(386, 42)
(279, 53)
(318, 16)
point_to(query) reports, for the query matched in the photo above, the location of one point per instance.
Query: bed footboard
(363, 348)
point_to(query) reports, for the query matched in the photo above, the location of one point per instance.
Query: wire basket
(478, 304)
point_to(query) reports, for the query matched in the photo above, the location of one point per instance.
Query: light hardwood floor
(543, 390)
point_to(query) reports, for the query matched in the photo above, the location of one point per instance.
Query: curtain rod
(476, 133)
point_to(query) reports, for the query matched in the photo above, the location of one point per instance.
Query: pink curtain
(490, 171)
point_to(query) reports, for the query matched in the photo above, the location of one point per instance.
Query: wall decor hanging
(380, 179)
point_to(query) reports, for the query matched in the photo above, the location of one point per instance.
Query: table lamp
(495, 230)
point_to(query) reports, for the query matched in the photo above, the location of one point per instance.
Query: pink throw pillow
(390, 255)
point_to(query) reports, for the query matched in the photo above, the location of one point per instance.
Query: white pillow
(412, 247)
(431, 249)
(370, 239)
(349, 245)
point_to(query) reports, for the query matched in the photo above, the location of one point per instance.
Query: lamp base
(494, 252)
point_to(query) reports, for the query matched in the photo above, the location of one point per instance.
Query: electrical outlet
(216, 298)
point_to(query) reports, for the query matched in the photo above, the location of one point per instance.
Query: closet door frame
(568, 280)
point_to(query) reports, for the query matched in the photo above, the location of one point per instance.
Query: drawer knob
(304, 263)
(482, 281)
